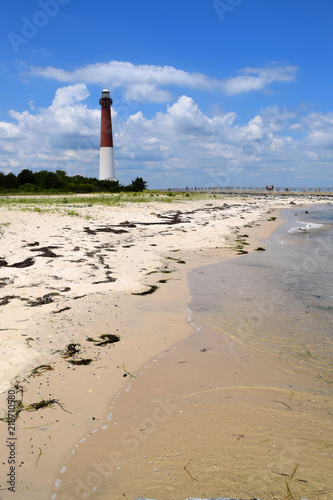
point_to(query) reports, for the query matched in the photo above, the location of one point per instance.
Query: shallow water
(278, 301)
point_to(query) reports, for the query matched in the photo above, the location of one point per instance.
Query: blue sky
(206, 92)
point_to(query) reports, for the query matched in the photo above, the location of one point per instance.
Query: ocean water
(275, 310)
(279, 301)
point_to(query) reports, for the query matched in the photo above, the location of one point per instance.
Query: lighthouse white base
(106, 165)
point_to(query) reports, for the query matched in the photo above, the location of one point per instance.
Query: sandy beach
(93, 314)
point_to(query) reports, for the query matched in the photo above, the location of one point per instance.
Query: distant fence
(225, 189)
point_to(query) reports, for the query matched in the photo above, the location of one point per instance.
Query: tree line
(43, 181)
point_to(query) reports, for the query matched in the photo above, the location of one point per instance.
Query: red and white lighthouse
(106, 161)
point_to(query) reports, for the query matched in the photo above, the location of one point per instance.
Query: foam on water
(305, 227)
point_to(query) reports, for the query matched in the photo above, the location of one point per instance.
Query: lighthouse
(106, 159)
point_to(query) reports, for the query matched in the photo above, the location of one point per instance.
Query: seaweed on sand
(19, 407)
(107, 338)
(5, 300)
(179, 261)
(44, 403)
(36, 372)
(126, 372)
(151, 289)
(61, 310)
(40, 301)
(46, 251)
(70, 350)
(24, 263)
(78, 362)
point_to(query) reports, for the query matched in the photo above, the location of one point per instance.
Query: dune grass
(45, 202)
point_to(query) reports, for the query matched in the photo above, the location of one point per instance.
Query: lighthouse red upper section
(106, 125)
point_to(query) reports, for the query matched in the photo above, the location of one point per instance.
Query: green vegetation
(46, 182)
(46, 191)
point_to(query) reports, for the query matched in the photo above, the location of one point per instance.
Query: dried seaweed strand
(188, 472)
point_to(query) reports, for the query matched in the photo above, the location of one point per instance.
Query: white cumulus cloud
(152, 83)
(139, 82)
(180, 143)
(258, 78)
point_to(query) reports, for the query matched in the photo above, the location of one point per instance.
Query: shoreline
(131, 352)
(173, 426)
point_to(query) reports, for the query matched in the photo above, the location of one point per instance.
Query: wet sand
(153, 362)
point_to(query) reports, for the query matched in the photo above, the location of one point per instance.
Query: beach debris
(61, 310)
(18, 387)
(285, 404)
(126, 372)
(260, 249)
(239, 436)
(36, 372)
(34, 244)
(24, 263)
(188, 472)
(240, 243)
(14, 414)
(69, 351)
(78, 362)
(271, 219)
(292, 478)
(5, 300)
(163, 271)
(79, 297)
(205, 349)
(109, 279)
(151, 289)
(46, 251)
(63, 289)
(127, 224)
(44, 403)
(39, 455)
(107, 338)
(3, 263)
(40, 301)
(105, 229)
(179, 261)
(69, 354)
(19, 407)
(29, 339)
